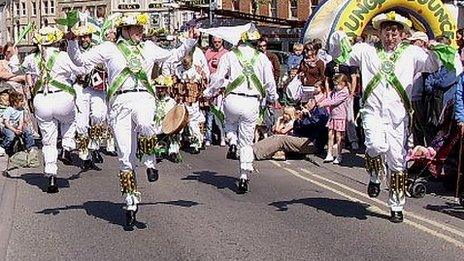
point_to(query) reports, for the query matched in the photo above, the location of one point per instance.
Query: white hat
(129, 19)
(48, 35)
(391, 16)
(418, 36)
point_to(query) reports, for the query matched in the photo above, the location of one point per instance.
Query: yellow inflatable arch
(356, 14)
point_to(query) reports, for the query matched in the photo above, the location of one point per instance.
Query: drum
(175, 120)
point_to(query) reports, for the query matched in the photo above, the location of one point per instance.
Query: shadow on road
(40, 181)
(110, 211)
(454, 210)
(352, 160)
(211, 178)
(335, 207)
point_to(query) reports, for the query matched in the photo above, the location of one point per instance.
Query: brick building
(284, 9)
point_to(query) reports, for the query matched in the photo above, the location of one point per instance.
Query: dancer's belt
(246, 95)
(133, 90)
(50, 91)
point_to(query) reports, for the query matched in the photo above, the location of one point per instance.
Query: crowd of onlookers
(318, 100)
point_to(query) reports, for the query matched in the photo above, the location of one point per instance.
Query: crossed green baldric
(134, 68)
(248, 74)
(46, 68)
(387, 72)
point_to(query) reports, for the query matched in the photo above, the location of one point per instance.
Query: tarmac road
(294, 211)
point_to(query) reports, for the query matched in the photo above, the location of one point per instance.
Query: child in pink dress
(336, 104)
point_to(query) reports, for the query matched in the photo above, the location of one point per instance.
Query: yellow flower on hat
(128, 19)
(48, 35)
(391, 16)
(250, 36)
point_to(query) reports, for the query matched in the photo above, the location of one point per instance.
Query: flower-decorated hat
(391, 17)
(87, 29)
(128, 19)
(252, 34)
(48, 35)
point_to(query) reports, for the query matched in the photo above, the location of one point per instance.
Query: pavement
(295, 210)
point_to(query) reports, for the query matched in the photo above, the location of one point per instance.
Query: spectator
(9, 66)
(13, 118)
(4, 104)
(262, 44)
(459, 104)
(419, 118)
(321, 53)
(311, 68)
(295, 58)
(284, 124)
(336, 102)
(213, 55)
(309, 135)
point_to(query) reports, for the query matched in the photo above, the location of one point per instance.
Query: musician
(54, 99)
(91, 102)
(248, 77)
(192, 78)
(131, 97)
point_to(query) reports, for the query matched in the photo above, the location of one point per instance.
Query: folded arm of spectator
(459, 100)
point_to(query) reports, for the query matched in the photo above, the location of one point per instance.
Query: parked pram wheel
(418, 190)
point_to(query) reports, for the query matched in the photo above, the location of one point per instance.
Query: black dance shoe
(130, 220)
(152, 174)
(112, 153)
(97, 157)
(66, 158)
(52, 186)
(373, 189)
(232, 152)
(242, 186)
(396, 216)
(90, 165)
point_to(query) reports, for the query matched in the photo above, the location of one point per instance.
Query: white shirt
(384, 99)
(198, 59)
(109, 54)
(229, 68)
(64, 70)
(188, 75)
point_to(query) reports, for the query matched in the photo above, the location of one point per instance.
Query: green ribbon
(22, 35)
(387, 72)
(248, 74)
(446, 54)
(46, 79)
(218, 113)
(131, 55)
(345, 51)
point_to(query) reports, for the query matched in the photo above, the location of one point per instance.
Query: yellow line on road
(376, 209)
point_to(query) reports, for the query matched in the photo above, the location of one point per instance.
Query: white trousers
(54, 110)
(92, 109)
(195, 119)
(129, 114)
(241, 115)
(387, 138)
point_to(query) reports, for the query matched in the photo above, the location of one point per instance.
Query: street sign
(128, 6)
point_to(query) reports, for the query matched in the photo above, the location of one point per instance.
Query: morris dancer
(388, 72)
(191, 78)
(54, 99)
(131, 97)
(248, 77)
(91, 102)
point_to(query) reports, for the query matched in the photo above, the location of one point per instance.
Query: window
(273, 9)
(184, 17)
(52, 7)
(23, 9)
(293, 8)
(166, 21)
(45, 7)
(254, 7)
(34, 8)
(235, 5)
(16, 9)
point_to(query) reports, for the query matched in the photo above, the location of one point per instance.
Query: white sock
(243, 176)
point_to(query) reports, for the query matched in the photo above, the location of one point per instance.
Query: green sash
(133, 57)
(248, 74)
(46, 79)
(387, 72)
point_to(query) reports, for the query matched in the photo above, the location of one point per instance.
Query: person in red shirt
(213, 55)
